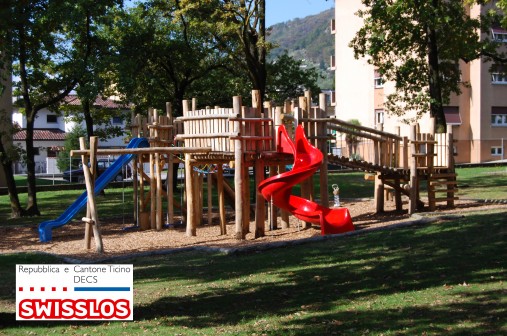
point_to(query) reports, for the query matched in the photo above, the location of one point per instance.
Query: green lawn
(447, 278)
(21, 181)
(482, 183)
(473, 183)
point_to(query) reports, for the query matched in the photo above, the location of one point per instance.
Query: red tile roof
(41, 134)
(74, 100)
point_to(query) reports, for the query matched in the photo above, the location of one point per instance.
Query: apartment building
(478, 116)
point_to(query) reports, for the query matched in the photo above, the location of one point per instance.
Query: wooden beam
(147, 150)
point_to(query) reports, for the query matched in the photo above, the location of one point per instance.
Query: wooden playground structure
(244, 138)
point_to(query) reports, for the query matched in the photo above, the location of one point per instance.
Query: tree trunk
(85, 104)
(6, 128)
(254, 46)
(436, 103)
(31, 208)
(16, 210)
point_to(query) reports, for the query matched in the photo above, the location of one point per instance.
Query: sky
(284, 10)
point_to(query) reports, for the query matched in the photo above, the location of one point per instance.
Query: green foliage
(162, 54)
(50, 44)
(417, 45)
(502, 5)
(71, 142)
(102, 119)
(352, 140)
(238, 29)
(288, 79)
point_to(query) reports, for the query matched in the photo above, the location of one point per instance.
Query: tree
(8, 153)
(161, 55)
(502, 5)
(50, 44)
(95, 81)
(71, 142)
(239, 28)
(286, 79)
(417, 45)
(352, 140)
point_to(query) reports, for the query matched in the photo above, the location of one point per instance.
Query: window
(36, 151)
(117, 121)
(333, 26)
(499, 74)
(51, 152)
(51, 118)
(379, 116)
(496, 151)
(378, 80)
(499, 34)
(498, 116)
(452, 116)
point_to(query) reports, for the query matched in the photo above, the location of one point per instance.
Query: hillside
(308, 39)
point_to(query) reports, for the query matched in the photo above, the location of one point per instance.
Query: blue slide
(45, 228)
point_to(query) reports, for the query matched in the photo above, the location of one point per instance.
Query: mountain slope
(308, 39)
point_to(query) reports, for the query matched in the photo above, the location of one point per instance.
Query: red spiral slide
(307, 160)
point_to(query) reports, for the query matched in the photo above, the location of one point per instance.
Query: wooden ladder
(442, 187)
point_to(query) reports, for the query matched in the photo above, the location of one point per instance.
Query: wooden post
(89, 173)
(153, 193)
(88, 225)
(135, 128)
(199, 192)
(321, 133)
(450, 166)
(284, 214)
(431, 188)
(143, 214)
(221, 199)
(135, 191)
(432, 124)
(246, 199)
(405, 153)
(379, 193)
(189, 185)
(158, 174)
(209, 194)
(310, 131)
(246, 129)
(305, 185)
(413, 171)
(260, 205)
(239, 172)
(170, 182)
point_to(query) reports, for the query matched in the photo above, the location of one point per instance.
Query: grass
(448, 278)
(118, 201)
(483, 183)
(473, 183)
(21, 181)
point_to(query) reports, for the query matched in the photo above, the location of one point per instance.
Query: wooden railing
(376, 146)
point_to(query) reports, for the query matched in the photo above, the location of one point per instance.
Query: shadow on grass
(441, 279)
(328, 277)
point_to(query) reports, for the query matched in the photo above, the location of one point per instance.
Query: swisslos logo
(74, 292)
(74, 309)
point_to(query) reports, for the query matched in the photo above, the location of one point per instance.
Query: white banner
(74, 292)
